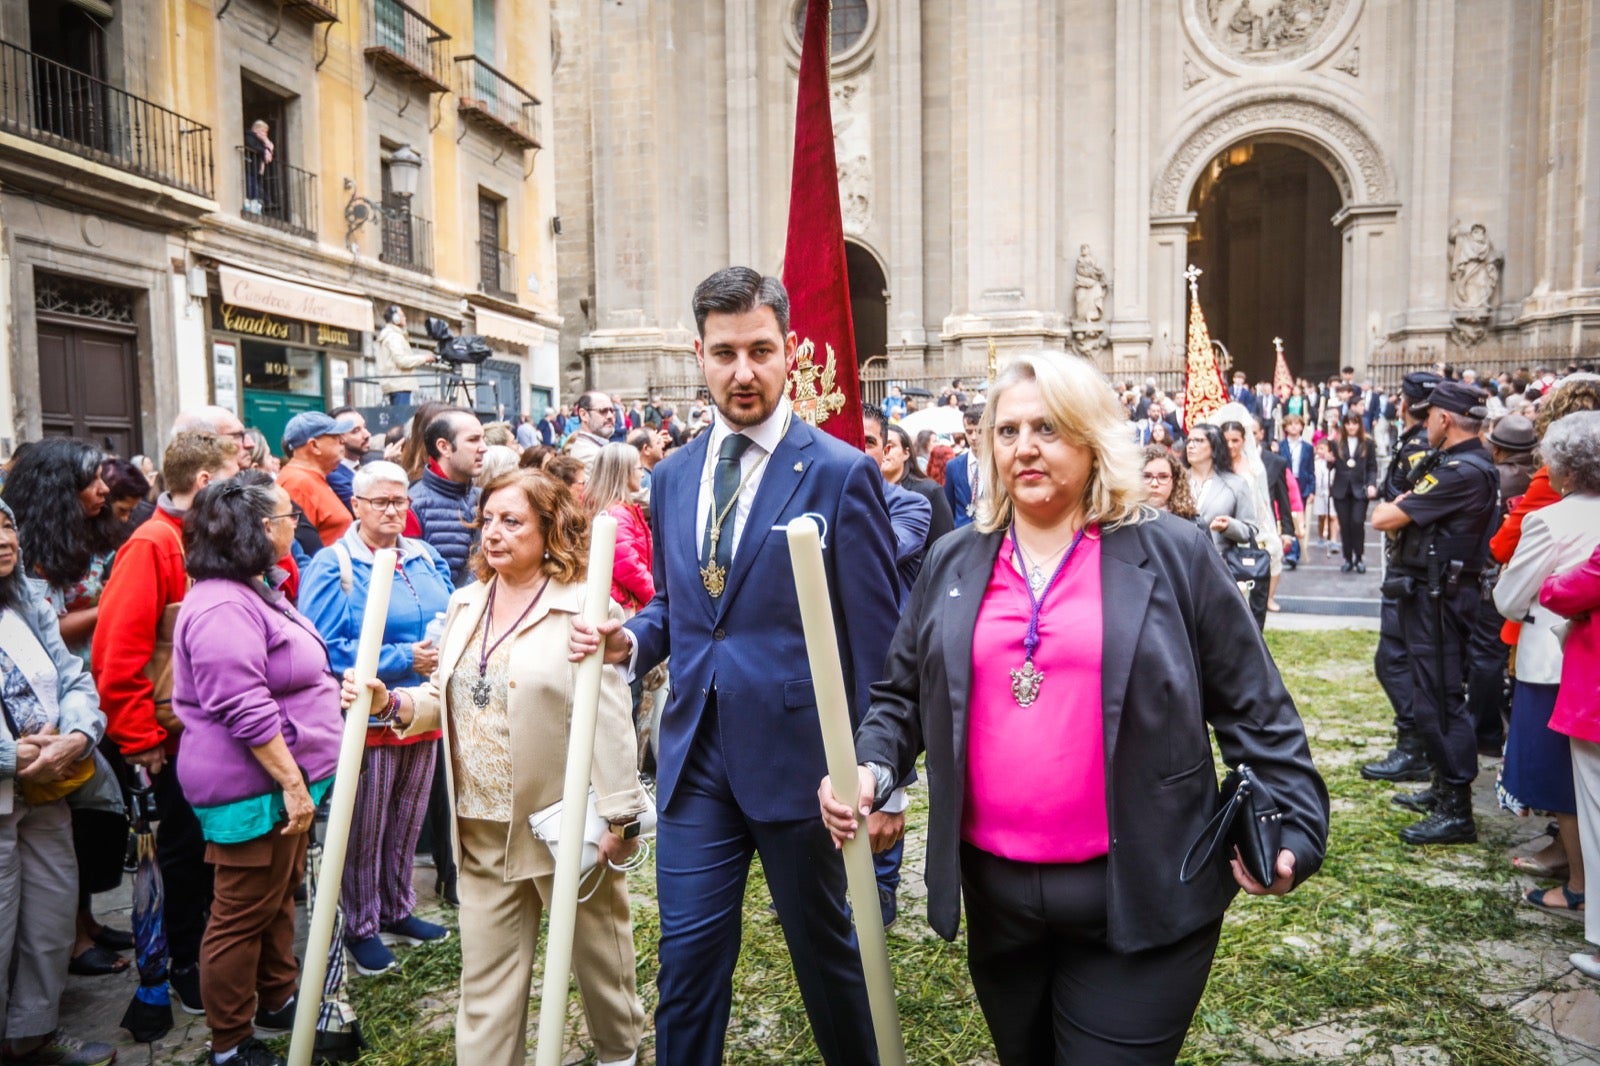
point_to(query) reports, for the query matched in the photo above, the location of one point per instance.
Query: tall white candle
(827, 679)
(353, 741)
(575, 801)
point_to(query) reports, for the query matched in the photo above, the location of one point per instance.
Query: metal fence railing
(1390, 363)
(497, 271)
(492, 100)
(53, 104)
(277, 194)
(400, 38)
(407, 241)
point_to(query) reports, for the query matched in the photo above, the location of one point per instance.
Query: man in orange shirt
(148, 579)
(315, 446)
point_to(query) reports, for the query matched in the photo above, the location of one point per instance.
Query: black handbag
(1249, 820)
(1250, 566)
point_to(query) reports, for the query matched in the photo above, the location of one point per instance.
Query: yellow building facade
(217, 200)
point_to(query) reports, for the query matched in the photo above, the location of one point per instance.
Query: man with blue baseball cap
(315, 446)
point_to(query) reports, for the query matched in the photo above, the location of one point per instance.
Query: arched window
(849, 23)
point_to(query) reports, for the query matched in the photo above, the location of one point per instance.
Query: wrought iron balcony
(497, 271)
(496, 104)
(407, 241)
(401, 41)
(314, 10)
(276, 194)
(47, 102)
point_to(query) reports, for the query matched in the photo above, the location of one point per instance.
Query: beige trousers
(499, 949)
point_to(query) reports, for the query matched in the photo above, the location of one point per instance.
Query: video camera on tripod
(453, 349)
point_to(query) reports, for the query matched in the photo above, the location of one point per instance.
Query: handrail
(399, 31)
(276, 194)
(512, 110)
(53, 104)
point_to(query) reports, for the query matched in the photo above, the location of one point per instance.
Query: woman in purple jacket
(260, 709)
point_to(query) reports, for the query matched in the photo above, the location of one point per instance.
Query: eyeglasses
(276, 517)
(1159, 479)
(386, 503)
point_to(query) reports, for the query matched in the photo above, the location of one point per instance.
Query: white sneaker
(1587, 964)
(629, 1061)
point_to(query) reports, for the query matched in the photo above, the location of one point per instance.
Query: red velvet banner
(826, 386)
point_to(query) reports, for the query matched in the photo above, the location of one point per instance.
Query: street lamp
(405, 171)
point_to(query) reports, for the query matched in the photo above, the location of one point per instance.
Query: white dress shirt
(764, 440)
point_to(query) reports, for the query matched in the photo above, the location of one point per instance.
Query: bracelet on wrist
(391, 710)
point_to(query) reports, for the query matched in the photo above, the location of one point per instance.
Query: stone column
(1369, 234)
(1168, 253)
(1131, 245)
(901, 52)
(1427, 198)
(742, 54)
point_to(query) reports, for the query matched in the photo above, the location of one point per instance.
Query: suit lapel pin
(799, 467)
(955, 593)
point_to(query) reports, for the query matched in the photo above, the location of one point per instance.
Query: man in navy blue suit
(740, 744)
(958, 483)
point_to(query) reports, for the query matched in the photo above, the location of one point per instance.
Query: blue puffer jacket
(443, 509)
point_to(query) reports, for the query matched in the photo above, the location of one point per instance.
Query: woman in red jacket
(614, 487)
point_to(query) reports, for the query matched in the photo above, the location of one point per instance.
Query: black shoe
(338, 1047)
(1361, 567)
(1346, 566)
(1450, 823)
(185, 982)
(276, 1022)
(251, 1053)
(1421, 801)
(888, 905)
(1405, 762)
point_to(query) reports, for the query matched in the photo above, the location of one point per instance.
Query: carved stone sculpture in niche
(1090, 284)
(1475, 266)
(852, 149)
(1268, 31)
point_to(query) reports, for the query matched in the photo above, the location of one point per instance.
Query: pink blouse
(1036, 777)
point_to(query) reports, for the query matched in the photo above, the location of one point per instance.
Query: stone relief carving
(852, 149)
(1263, 114)
(1475, 266)
(1268, 31)
(1350, 62)
(1192, 74)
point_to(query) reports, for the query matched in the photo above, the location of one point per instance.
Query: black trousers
(1488, 696)
(187, 877)
(1439, 703)
(1352, 525)
(1051, 990)
(440, 823)
(1394, 672)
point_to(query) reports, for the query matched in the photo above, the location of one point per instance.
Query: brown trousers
(247, 957)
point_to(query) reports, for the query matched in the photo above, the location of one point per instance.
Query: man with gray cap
(1444, 523)
(315, 445)
(1407, 760)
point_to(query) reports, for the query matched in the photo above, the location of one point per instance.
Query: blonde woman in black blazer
(1354, 481)
(1102, 957)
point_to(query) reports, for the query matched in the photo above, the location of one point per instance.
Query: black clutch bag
(1249, 820)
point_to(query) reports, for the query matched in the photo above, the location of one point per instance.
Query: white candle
(575, 800)
(314, 971)
(827, 679)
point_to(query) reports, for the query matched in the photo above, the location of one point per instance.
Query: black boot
(1421, 801)
(1407, 761)
(1450, 823)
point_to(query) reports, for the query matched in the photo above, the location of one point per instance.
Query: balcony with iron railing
(53, 104)
(401, 41)
(497, 271)
(313, 10)
(277, 194)
(407, 240)
(494, 103)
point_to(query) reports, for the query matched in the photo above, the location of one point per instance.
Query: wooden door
(89, 386)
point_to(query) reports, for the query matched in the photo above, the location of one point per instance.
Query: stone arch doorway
(1264, 236)
(869, 301)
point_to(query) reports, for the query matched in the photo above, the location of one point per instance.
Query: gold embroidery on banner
(814, 389)
(1203, 391)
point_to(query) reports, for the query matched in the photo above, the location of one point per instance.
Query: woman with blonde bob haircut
(502, 694)
(1059, 663)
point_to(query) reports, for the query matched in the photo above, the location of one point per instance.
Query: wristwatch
(625, 830)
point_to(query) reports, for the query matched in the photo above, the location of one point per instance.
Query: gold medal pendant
(714, 578)
(1025, 683)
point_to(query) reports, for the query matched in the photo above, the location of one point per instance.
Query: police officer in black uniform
(1408, 759)
(1444, 525)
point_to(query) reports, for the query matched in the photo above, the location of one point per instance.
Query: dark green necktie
(724, 488)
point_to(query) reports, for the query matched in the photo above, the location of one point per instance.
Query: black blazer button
(719, 633)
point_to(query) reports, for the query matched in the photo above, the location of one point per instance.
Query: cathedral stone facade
(1366, 180)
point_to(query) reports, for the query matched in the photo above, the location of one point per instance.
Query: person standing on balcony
(258, 157)
(396, 357)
